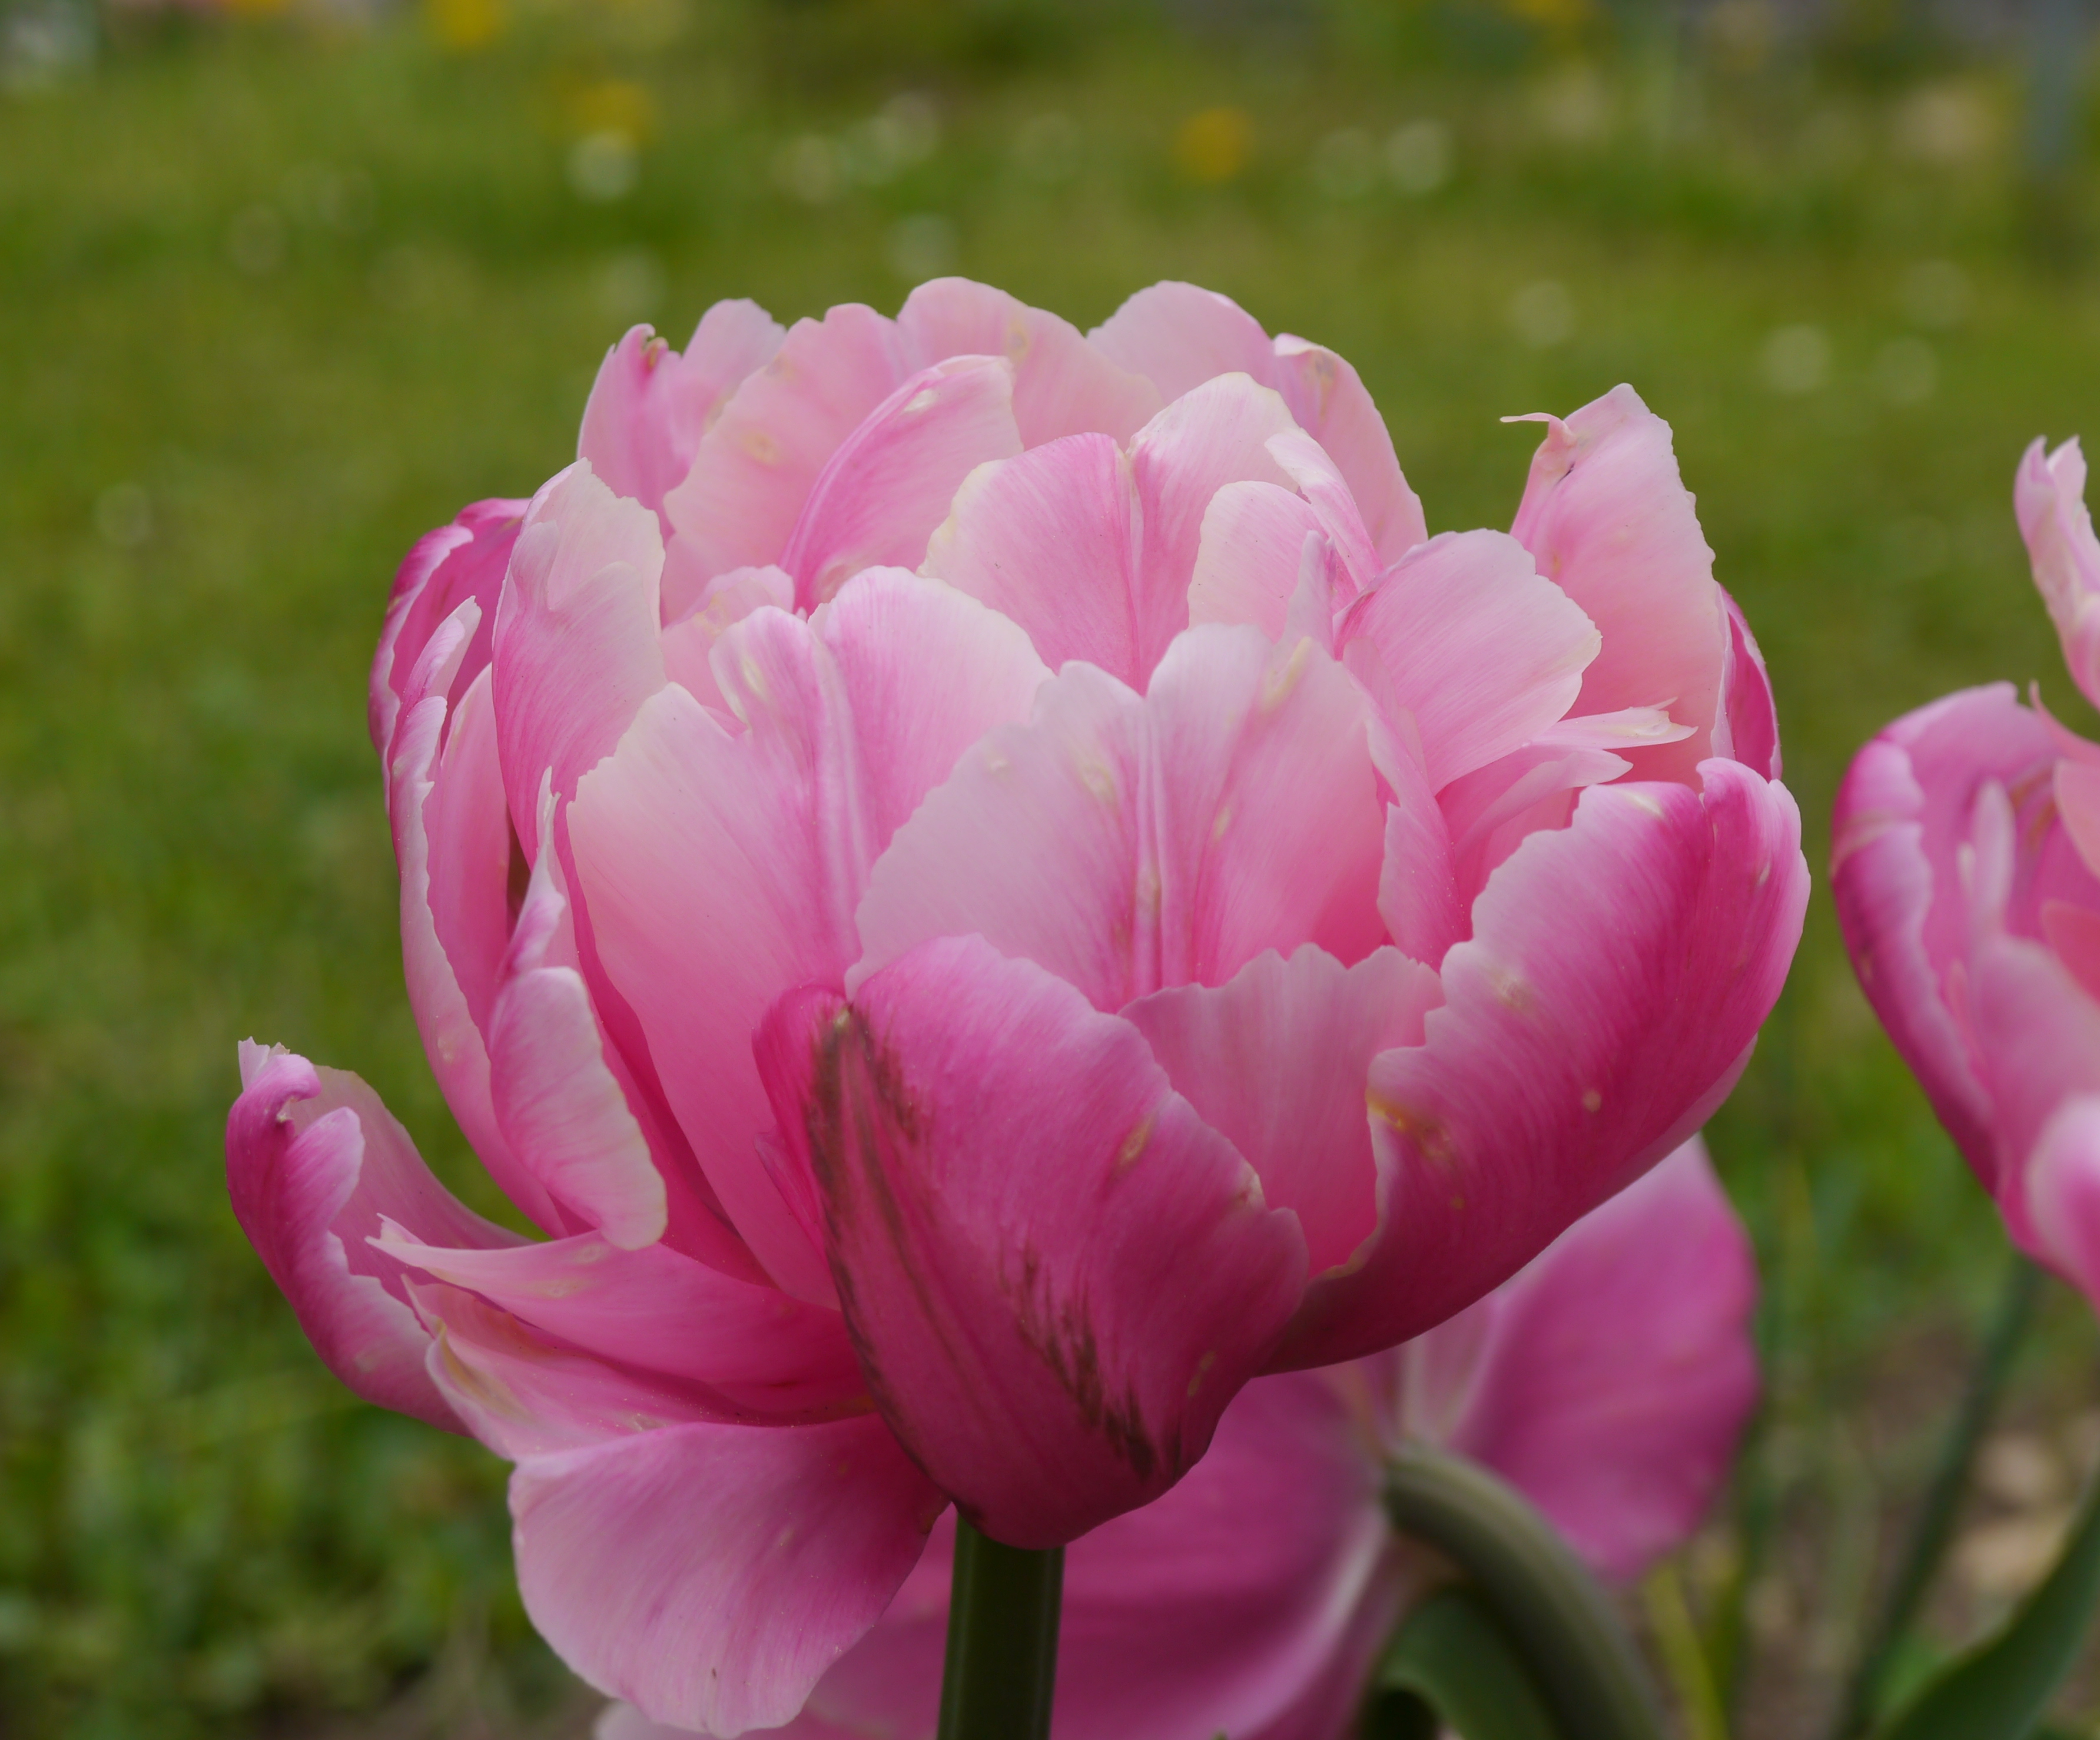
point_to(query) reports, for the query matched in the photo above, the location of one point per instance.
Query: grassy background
(277, 297)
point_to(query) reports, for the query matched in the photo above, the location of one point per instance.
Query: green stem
(1561, 1621)
(1935, 1526)
(1002, 1611)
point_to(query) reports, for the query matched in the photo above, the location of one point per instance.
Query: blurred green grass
(278, 298)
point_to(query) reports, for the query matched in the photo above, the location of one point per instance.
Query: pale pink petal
(1055, 1274)
(925, 671)
(880, 495)
(1608, 520)
(1276, 1061)
(2062, 1190)
(1217, 434)
(1491, 812)
(577, 643)
(1607, 1001)
(1320, 484)
(452, 836)
(757, 462)
(1178, 336)
(1748, 728)
(1129, 844)
(558, 1103)
(650, 404)
(1032, 843)
(1620, 1371)
(1483, 653)
(1051, 539)
(1249, 556)
(1328, 401)
(1215, 1610)
(2048, 497)
(313, 1161)
(655, 1310)
(709, 1575)
(1062, 385)
(689, 636)
(1902, 818)
(705, 861)
(1417, 887)
(457, 562)
(2073, 935)
(2078, 803)
(2035, 1041)
(721, 868)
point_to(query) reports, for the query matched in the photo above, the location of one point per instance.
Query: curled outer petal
(1055, 1274)
(1605, 1004)
(313, 1164)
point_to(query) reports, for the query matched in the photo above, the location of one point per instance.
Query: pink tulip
(1609, 1381)
(941, 1078)
(1966, 847)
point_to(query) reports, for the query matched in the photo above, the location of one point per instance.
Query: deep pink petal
(1607, 1001)
(462, 561)
(577, 643)
(1057, 1274)
(1483, 653)
(1607, 519)
(756, 464)
(1127, 845)
(313, 1160)
(1619, 1372)
(1276, 1060)
(525, 1393)
(880, 495)
(1062, 385)
(650, 404)
(2048, 498)
(1901, 821)
(709, 1573)
(1218, 1609)
(655, 1310)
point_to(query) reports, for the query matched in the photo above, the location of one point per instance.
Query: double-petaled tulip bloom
(1965, 864)
(985, 887)
(1609, 1381)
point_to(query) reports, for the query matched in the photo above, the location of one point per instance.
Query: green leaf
(2000, 1690)
(1455, 1657)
